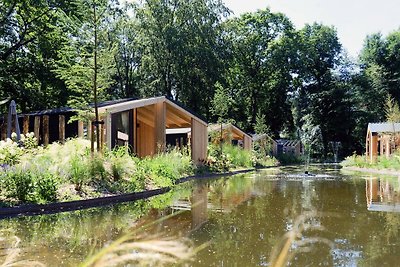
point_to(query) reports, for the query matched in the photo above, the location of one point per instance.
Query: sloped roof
(235, 130)
(257, 137)
(384, 127)
(287, 143)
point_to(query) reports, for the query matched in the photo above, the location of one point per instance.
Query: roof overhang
(237, 134)
(172, 109)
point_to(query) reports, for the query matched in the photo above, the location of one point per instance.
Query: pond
(336, 218)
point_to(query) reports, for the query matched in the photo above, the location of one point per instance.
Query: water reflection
(383, 194)
(243, 218)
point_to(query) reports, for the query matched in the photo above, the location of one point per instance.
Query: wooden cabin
(138, 123)
(231, 134)
(142, 124)
(288, 147)
(382, 139)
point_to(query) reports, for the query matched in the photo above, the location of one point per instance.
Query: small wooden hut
(288, 147)
(382, 139)
(232, 134)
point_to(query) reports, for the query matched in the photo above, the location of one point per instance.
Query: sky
(353, 19)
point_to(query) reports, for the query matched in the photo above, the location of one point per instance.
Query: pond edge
(374, 171)
(57, 207)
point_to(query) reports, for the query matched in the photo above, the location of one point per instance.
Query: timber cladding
(199, 141)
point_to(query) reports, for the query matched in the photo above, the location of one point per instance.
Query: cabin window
(122, 130)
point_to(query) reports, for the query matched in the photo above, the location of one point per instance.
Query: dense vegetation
(296, 82)
(62, 172)
(381, 162)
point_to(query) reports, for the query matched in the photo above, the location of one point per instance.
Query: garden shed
(231, 134)
(382, 139)
(288, 147)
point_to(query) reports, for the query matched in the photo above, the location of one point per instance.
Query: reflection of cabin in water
(382, 139)
(139, 123)
(382, 195)
(230, 134)
(287, 147)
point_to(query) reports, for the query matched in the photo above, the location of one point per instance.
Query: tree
(392, 110)
(259, 69)
(322, 98)
(182, 50)
(31, 34)
(86, 64)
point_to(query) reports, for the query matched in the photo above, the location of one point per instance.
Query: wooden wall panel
(199, 142)
(160, 124)
(247, 143)
(374, 147)
(145, 140)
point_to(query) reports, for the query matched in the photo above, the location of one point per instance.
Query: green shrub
(286, 159)
(10, 152)
(18, 184)
(238, 156)
(46, 187)
(122, 163)
(79, 171)
(97, 170)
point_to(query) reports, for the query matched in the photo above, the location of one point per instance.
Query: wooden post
(61, 128)
(80, 129)
(102, 134)
(159, 127)
(4, 130)
(45, 130)
(36, 129)
(92, 137)
(387, 146)
(25, 126)
(135, 126)
(89, 130)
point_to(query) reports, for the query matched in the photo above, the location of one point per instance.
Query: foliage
(45, 174)
(392, 110)
(11, 150)
(255, 69)
(233, 157)
(165, 168)
(381, 162)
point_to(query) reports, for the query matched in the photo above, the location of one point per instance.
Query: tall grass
(381, 162)
(67, 171)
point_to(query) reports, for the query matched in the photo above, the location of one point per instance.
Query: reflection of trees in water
(70, 236)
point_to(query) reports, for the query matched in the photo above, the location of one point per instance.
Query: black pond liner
(39, 209)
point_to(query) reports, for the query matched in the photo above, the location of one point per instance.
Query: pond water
(338, 219)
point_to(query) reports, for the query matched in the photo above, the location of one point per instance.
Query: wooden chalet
(232, 134)
(382, 139)
(139, 123)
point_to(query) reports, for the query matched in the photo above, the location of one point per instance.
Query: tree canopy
(256, 69)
